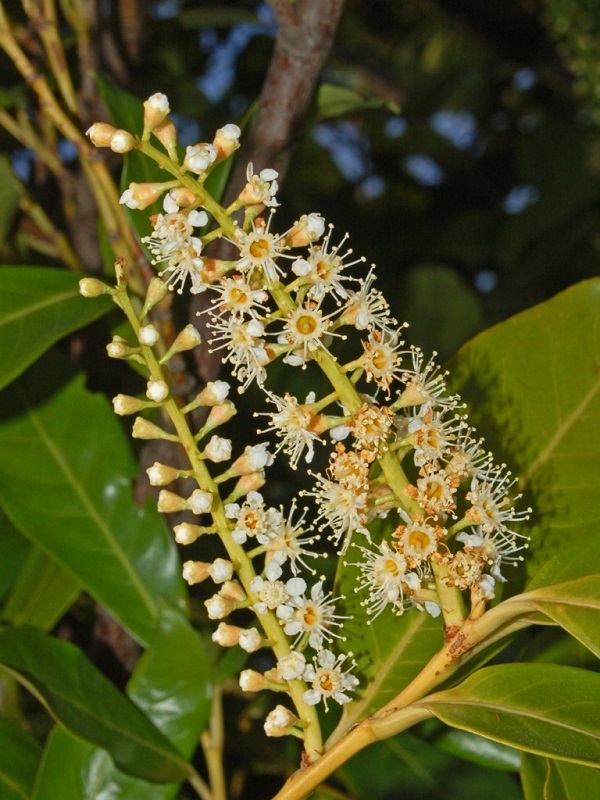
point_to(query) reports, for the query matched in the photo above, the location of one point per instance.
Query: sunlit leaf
(68, 488)
(541, 708)
(38, 306)
(19, 757)
(533, 385)
(87, 704)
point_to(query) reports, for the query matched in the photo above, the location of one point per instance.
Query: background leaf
(38, 306)
(540, 708)
(19, 757)
(170, 684)
(13, 552)
(86, 703)
(535, 378)
(69, 452)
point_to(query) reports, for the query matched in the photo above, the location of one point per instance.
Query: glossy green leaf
(43, 592)
(333, 101)
(38, 306)
(575, 606)
(170, 684)
(569, 562)
(534, 388)
(534, 772)
(19, 757)
(389, 650)
(541, 708)
(571, 781)
(87, 704)
(69, 454)
(13, 552)
(478, 749)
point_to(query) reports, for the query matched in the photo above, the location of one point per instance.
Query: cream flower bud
(148, 335)
(291, 666)
(248, 483)
(186, 340)
(251, 681)
(233, 590)
(252, 459)
(219, 415)
(309, 228)
(157, 391)
(220, 570)
(120, 348)
(279, 721)
(101, 133)
(250, 640)
(226, 635)
(195, 572)
(156, 108)
(121, 141)
(226, 140)
(218, 607)
(157, 291)
(143, 429)
(141, 195)
(199, 157)
(213, 393)
(125, 404)
(92, 287)
(182, 197)
(200, 502)
(166, 133)
(186, 533)
(161, 474)
(218, 449)
(169, 502)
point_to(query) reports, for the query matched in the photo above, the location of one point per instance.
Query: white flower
(367, 308)
(284, 541)
(274, 595)
(252, 518)
(343, 509)
(291, 423)
(260, 249)
(260, 188)
(384, 575)
(323, 268)
(313, 617)
(329, 679)
(218, 449)
(291, 666)
(199, 157)
(245, 349)
(425, 383)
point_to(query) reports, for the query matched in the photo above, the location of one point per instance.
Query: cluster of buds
(400, 448)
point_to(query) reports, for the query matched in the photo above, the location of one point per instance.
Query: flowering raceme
(400, 447)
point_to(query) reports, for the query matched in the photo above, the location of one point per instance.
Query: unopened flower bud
(157, 291)
(226, 140)
(309, 228)
(141, 195)
(170, 503)
(186, 533)
(200, 502)
(291, 666)
(213, 393)
(195, 572)
(121, 141)
(186, 340)
(218, 449)
(144, 429)
(252, 459)
(250, 640)
(157, 391)
(101, 133)
(182, 197)
(166, 133)
(279, 721)
(226, 635)
(125, 404)
(92, 287)
(156, 108)
(161, 474)
(199, 157)
(221, 570)
(219, 415)
(251, 681)
(246, 484)
(120, 348)
(233, 590)
(148, 335)
(218, 606)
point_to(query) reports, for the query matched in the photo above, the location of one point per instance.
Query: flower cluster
(400, 448)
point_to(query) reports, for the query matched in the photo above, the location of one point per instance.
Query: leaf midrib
(43, 304)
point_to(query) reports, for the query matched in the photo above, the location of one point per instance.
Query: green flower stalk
(400, 446)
